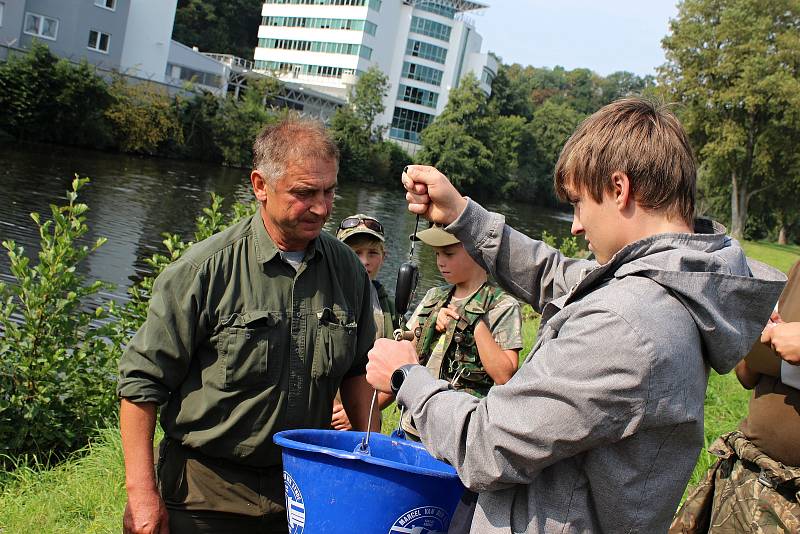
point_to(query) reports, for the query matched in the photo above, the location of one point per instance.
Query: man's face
(371, 256)
(599, 223)
(299, 204)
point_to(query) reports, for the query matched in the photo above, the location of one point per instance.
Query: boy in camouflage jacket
(469, 331)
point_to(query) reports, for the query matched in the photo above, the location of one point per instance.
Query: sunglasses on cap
(352, 222)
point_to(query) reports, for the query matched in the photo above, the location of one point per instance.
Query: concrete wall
(76, 18)
(11, 23)
(147, 41)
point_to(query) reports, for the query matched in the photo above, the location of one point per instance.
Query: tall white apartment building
(424, 47)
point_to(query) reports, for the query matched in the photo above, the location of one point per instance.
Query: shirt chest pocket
(246, 342)
(334, 350)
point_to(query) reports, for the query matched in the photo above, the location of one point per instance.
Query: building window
(373, 4)
(98, 41)
(487, 76)
(430, 28)
(317, 46)
(415, 95)
(107, 4)
(426, 51)
(407, 124)
(421, 73)
(437, 8)
(299, 69)
(41, 26)
(326, 24)
(209, 79)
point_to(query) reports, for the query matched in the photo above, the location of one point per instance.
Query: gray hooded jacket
(600, 428)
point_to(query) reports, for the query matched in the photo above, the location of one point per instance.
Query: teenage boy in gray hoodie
(600, 428)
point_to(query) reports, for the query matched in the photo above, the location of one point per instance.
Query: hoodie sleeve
(536, 273)
(577, 392)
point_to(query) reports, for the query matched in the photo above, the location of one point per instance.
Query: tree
(352, 137)
(239, 121)
(551, 126)
(367, 99)
(224, 26)
(734, 66)
(456, 142)
(511, 91)
(363, 156)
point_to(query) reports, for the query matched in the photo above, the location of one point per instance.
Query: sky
(602, 35)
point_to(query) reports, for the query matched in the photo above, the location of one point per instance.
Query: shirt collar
(266, 249)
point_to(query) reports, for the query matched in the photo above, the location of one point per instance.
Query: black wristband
(398, 377)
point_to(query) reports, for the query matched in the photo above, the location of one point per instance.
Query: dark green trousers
(204, 494)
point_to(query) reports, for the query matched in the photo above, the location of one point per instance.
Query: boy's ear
(621, 189)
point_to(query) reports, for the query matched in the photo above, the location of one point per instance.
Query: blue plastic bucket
(397, 488)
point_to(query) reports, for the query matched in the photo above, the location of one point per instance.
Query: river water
(133, 200)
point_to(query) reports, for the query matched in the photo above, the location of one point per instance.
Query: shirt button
(297, 314)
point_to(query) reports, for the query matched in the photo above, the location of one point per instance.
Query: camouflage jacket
(460, 363)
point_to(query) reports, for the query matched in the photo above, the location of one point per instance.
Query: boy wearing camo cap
(469, 331)
(364, 234)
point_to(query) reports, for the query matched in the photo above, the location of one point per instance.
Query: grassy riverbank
(86, 494)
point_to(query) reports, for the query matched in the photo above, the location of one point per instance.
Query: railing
(230, 60)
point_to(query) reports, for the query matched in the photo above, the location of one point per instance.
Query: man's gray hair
(293, 140)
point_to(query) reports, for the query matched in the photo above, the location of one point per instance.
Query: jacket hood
(709, 274)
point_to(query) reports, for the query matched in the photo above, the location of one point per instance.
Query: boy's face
(601, 224)
(371, 256)
(455, 264)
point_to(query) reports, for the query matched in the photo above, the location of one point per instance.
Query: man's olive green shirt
(238, 345)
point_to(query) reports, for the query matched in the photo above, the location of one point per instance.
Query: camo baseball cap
(359, 224)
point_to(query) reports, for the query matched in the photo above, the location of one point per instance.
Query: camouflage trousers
(745, 491)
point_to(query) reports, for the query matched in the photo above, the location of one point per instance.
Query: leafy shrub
(143, 115)
(568, 247)
(56, 374)
(44, 98)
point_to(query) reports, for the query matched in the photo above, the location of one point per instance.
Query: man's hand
(339, 419)
(446, 314)
(386, 356)
(784, 338)
(431, 195)
(145, 513)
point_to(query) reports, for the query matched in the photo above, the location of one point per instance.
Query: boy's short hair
(640, 138)
(358, 240)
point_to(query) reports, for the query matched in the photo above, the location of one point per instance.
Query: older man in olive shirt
(250, 332)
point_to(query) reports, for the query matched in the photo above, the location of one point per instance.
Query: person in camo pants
(755, 484)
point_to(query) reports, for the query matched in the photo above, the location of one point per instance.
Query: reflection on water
(133, 201)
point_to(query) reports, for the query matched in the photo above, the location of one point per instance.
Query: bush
(56, 374)
(48, 99)
(143, 115)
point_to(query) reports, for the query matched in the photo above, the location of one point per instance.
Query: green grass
(84, 494)
(87, 494)
(779, 256)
